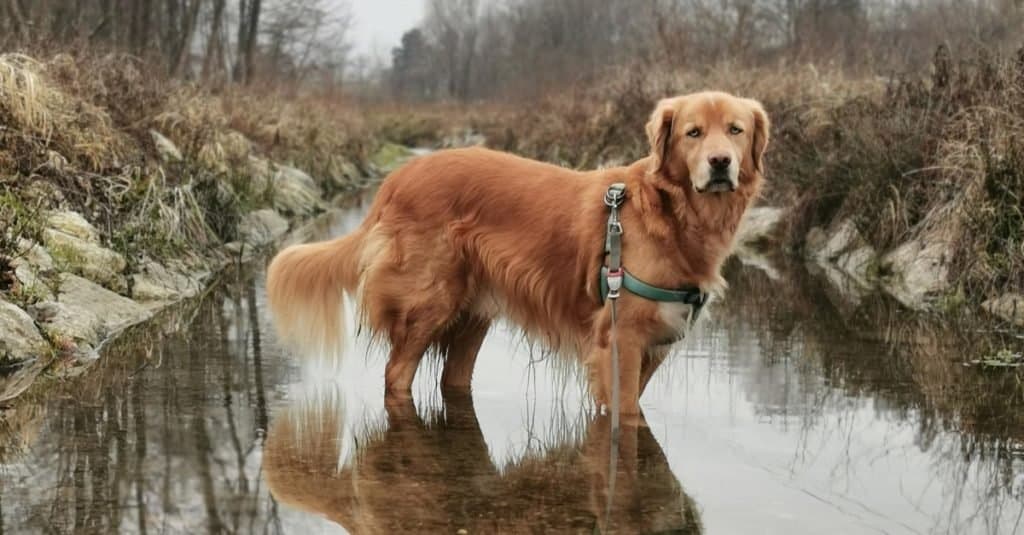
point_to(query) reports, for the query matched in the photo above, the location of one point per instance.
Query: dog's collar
(613, 277)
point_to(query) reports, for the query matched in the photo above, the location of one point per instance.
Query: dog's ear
(761, 127)
(659, 131)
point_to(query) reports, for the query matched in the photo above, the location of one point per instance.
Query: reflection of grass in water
(910, 367)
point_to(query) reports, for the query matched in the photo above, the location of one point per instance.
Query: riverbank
(122, 196)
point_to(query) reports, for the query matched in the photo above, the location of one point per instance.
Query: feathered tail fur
(305, 288)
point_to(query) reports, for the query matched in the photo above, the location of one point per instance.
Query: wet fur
(457, 238)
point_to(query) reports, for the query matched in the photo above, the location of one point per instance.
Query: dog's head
(713, 142)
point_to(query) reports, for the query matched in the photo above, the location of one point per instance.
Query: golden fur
(458, 237)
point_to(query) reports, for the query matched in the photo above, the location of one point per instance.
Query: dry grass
(44, 126)
(75, 134)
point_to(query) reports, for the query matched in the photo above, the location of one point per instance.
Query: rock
(32, 254)
(86, 312)
(17, 376)
(262, 227)
(166, 148)
(30, 266)
(295, 192)
(758, 223)
(63, 322)
(86, 258)
(390, 156)
(1009, 307)
(845, 250)
(917, 270)
(158, 283)
(21, 346)
(74, 224)
(19, 337)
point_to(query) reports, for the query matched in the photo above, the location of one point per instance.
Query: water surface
(794, 409)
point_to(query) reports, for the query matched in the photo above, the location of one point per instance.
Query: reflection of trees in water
(162, 434)
(818, 360)
(433, 473)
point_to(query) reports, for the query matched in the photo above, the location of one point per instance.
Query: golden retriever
(457, 238)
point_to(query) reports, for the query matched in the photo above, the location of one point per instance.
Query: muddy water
(795, 409)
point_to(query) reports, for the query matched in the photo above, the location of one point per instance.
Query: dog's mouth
(718, 185)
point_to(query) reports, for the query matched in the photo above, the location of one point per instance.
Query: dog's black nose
(719, 161)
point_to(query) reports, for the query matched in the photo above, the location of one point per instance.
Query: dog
(458, 238)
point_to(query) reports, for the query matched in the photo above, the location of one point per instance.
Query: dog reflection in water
(434, 474)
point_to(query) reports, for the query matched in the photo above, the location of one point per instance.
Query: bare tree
(212, 61)
(453, 23)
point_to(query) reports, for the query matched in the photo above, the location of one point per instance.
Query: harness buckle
(614, 278)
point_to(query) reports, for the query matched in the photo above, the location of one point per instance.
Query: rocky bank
(76, 292)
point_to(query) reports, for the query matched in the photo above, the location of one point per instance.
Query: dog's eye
(693, 132)
(735, 130)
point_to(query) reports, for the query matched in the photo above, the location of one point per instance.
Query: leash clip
(615, 195)
(615, 227)
(614, 283)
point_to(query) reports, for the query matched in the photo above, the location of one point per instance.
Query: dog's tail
(305, 288)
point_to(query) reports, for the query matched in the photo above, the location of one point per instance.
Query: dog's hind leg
(460, 345)
(416, 326)
(412, 292)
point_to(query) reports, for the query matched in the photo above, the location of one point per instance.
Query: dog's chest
(675, 317)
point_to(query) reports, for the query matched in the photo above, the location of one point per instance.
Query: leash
(613, 199)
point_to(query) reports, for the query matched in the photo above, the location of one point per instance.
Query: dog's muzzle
(719, 183)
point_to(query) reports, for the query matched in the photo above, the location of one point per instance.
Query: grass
(75, 135)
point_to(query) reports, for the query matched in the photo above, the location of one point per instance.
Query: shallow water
(792, 410)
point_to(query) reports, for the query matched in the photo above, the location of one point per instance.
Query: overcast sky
(379, 24)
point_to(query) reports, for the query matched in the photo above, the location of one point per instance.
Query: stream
(789, 411)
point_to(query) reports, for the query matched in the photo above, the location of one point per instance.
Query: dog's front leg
(602, 374)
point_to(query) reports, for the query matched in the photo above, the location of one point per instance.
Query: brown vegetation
(76, 134)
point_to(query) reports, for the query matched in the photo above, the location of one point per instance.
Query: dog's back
(453, 239)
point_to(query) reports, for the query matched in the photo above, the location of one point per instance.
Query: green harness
(614, 277)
